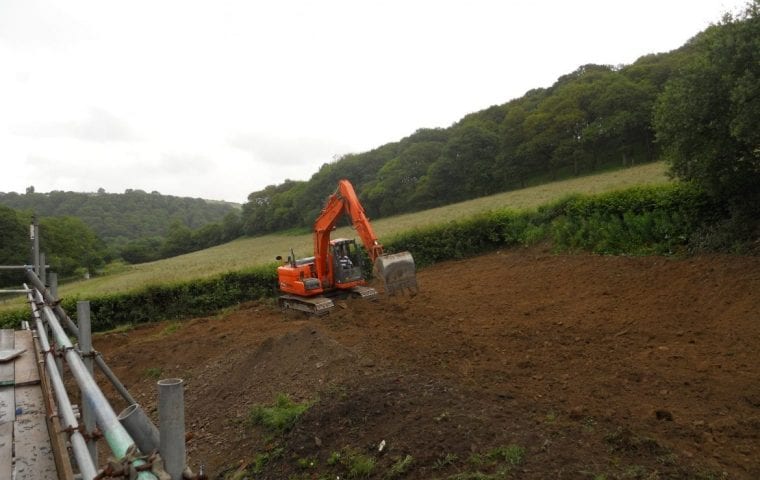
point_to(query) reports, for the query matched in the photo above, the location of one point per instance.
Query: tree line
(599, 116)
(71, 246)
(595, 117)
(120, 217)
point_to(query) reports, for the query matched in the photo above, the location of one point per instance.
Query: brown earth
(517, 364)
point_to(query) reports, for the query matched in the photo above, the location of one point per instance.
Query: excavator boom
(397, 271)
(305, 282)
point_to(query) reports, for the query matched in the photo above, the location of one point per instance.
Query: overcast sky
(217, 99)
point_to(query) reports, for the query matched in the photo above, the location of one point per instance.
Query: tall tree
(14, 245)
(707, 117)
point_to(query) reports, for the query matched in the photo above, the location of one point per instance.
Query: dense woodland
(595, 117)
(697, 106)
(120, 217)
(598, 116)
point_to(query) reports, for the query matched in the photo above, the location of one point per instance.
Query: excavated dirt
(517, 364)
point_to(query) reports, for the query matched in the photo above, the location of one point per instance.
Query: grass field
(249, 252)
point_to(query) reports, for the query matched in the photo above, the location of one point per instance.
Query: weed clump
(279, 417)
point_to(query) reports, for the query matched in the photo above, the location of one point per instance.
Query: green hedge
(647, 220)
(168, 301)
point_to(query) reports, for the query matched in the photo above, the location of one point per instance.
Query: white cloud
(98, 126)
(219, 99)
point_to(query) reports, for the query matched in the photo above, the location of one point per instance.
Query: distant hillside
(594, 118)
(120, 217)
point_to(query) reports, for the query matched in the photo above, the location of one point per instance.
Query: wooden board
(58, 440)
(6, 451)
(7, 375)
(26, 368)
(34, 455)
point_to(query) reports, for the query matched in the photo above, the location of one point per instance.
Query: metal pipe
(171, 419)
(35, 281)
(65, 410)
(114, 380)
(34, 230)
(116, 436)
(139, 426)
(53, 282)
(85, 347)
(43, 270)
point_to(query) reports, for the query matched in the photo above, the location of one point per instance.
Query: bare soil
(581, 366)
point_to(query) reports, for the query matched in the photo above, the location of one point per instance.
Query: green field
(248, 252)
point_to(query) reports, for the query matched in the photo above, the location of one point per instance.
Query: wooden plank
(7, 405)
(58, 437)
(7, 399)
(6, 451)
(34, 454)
(26, 370)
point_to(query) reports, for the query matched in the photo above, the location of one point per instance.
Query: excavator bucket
(397, 272)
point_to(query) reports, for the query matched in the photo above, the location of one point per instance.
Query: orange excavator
(310, 284)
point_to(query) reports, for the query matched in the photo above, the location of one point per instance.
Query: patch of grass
(154, 373)
(445, 461)
(171, 328)
(400, 467)
(360, 466)
(500, 459)
(636, 472)
(123, 328)
(307, 463)
(511, 454)
(356, 464)
(279, 417)
(334, 459)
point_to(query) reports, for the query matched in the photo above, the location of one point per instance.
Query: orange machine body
(336, 264)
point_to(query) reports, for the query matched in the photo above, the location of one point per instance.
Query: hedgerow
(665, 219)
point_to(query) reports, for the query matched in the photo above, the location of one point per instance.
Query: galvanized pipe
(35, 237)
(43, 270)
(37, 283)
(53, 283)
(171, 420)
(85, 347)
(140, 428)
(114, 380)
(116, 436)
(65, 410)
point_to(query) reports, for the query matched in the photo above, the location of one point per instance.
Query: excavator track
(321, 305)
(317, 306)
(363, 292)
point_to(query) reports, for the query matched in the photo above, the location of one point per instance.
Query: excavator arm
(397, 271)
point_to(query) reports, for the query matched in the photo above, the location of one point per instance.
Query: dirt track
(641, 367)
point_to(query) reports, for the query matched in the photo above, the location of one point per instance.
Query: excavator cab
(347, 261)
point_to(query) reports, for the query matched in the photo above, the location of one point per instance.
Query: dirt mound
(298, 363)
(642, 367)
